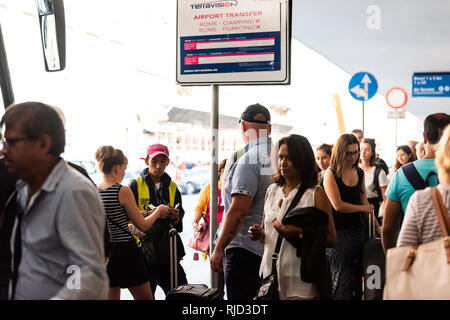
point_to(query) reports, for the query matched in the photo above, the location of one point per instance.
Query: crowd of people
(283, 209)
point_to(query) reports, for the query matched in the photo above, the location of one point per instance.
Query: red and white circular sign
(396, 97)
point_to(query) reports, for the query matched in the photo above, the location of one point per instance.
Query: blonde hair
(107, 157)
(419, 148)
(443, 156)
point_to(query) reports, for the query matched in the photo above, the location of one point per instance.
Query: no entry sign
(396, 98)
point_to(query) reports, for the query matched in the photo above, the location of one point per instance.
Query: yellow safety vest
(144, 197)
(144, 194)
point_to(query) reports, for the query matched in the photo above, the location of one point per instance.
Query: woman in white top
(296, 166)
(368, 164)
(421, 224)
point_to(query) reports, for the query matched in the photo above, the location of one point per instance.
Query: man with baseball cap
(152, 188)
(246, 183)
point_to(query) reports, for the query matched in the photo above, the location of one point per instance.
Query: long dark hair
(340, 152)
(373, 156)
(327, 148)
(405, 148)
(302, 157)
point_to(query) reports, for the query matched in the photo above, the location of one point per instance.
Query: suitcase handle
(172, 232)
(173, 258)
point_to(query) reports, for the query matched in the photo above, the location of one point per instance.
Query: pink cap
(156, 149)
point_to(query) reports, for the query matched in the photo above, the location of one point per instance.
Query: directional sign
(431, 85)
(396, 98)
(363, 86)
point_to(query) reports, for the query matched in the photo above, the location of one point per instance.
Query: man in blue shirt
(245, 190)
(400, 189)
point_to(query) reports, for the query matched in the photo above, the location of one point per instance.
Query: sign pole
(214, 176)
(396, 98)
(396, 145)
(362, 87)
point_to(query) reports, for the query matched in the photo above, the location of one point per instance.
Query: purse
(269, 287)
(200, 240)
(421, 272)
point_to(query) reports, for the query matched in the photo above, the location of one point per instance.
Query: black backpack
(414, 177)
(415, 180)
(376, 183)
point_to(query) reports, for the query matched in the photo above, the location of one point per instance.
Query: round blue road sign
(363, 86)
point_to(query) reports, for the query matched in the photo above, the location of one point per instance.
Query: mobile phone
(277, 223)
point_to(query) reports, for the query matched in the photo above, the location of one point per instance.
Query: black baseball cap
(252, 110)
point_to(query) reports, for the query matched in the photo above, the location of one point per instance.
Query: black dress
(346, 259)
(126, 264)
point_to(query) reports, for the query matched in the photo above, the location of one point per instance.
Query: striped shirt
(116, 215)
(421, 224)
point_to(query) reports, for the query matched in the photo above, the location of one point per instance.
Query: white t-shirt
(368, 177)
(290, 283)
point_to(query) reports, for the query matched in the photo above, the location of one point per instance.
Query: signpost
(231, 42)
(396, 98)
(362, 87)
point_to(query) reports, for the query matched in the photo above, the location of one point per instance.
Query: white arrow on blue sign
(363, 86)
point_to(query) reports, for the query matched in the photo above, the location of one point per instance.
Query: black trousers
(160, 276)
(241, 274)
(4, 291)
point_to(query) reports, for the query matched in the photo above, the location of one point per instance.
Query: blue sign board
(431, 85)
(227, 53)
(363, 86)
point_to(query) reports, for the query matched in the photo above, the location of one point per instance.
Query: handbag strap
(138, 243)
(293, 204)
(444, 221)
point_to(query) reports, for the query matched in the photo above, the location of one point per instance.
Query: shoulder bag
(421, 272)
(269, 286)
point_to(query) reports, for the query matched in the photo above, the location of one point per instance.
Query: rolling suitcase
(186, 292)
(374, 264)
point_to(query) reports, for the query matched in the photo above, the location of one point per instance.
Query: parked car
(130, 175)
(193, 180)
(87, 165)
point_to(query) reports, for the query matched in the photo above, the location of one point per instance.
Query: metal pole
(396, 132)
(214, 176)
(5, 78)
(363, 117)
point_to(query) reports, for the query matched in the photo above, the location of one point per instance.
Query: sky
(121, 59)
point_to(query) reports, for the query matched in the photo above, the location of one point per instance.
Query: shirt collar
(52, 179)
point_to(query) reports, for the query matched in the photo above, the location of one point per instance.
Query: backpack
(381, 163)
(414, 177)
(415, 180)
(376, 183)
